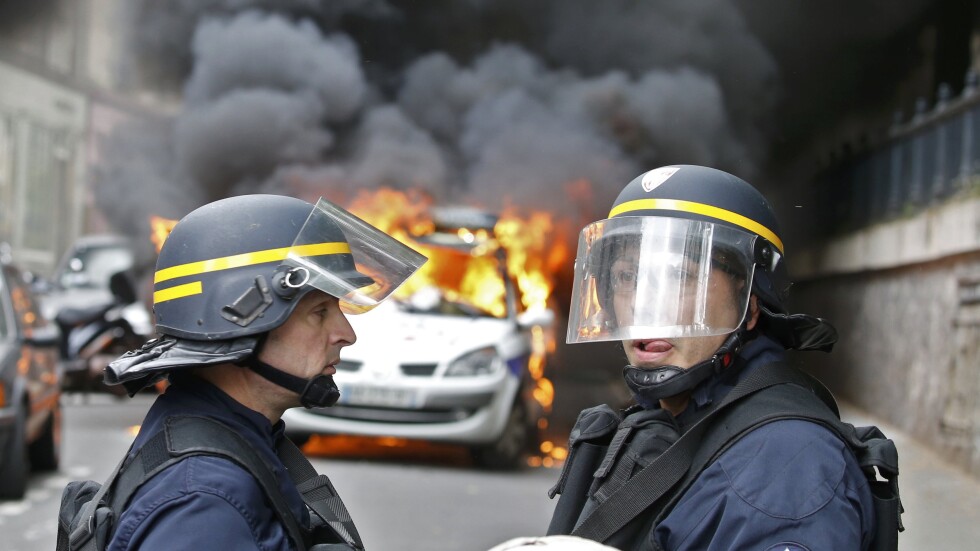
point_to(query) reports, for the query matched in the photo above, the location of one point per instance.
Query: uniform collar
(188, 391)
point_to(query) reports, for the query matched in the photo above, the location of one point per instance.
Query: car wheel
(45, 452)
(510, 450)
(14, 462)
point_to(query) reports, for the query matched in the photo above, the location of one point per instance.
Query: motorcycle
(94, 335)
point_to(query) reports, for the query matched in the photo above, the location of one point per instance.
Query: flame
(397, 213)
(159, 230)
(535, 254)
(385, 447)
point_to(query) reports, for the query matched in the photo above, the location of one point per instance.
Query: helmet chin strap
(317, 392)
(649, 386)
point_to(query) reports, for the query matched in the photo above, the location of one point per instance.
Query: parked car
(30, 387)
(435, 366)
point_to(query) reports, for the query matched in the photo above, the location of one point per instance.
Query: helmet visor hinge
(287, 282)
(766, 255)
(250, 305)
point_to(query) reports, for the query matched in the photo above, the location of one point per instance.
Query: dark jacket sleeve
(786, 485)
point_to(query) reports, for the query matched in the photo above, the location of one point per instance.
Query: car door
(8, 338)
(33, 342)
(11, 384)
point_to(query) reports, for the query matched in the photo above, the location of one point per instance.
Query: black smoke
(500, 102)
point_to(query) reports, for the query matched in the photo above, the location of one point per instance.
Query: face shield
(345, 257)
(650, 277)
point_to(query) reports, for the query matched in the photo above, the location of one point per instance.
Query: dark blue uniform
(207, 502)
(787, 485)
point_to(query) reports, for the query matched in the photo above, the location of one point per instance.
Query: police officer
(250, 295)
(688, 271)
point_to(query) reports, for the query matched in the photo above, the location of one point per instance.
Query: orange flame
(397, 213)
(159, 230)
(535, 254)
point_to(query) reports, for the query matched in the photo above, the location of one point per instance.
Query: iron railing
(924, 161)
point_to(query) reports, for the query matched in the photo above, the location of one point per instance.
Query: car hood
(422, 337)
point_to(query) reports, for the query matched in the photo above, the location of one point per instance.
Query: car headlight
(483, 361)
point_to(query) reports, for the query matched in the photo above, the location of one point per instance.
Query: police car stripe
(180, 291)
(248, 259)
(702, 209)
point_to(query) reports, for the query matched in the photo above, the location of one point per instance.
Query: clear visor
(348, 258)
(646, 277)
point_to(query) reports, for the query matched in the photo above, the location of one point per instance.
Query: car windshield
(91, 267)
(456, 283)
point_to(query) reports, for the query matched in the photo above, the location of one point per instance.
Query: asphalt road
(402, 497)
(411, 497)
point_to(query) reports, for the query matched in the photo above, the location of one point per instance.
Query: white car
(434, 367)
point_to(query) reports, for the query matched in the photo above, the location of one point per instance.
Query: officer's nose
(343, 334)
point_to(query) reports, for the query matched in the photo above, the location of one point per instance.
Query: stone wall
(909, 331)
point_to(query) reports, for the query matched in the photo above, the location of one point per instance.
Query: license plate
(364, 395)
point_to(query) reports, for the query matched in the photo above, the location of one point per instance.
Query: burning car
(454, 357)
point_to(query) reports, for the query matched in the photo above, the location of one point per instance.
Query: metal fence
(925, 161)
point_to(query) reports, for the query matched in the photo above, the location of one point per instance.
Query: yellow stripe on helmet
(180, 291)
(702, 209)
(249, 259)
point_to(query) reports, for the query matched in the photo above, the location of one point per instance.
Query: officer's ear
(752, 317)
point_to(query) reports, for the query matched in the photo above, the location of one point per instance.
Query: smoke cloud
(552, 104)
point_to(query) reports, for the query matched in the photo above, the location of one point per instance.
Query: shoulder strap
(789, 402)
(876, 455)
(318, 493)
(83, 536)
(185, 436)
(189, 435)
(656, 479)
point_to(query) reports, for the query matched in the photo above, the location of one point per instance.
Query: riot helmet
(675, 239)
(671, 234)
(233, 270)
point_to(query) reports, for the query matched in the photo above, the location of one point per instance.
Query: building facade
(59, 89)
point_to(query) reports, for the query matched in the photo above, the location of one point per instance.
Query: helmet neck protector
(649, 386)
(798, 331)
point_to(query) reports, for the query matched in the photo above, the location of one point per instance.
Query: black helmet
(681, 219)
(711, 195)
(676, 240)
(234, 269)
(221, 272)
